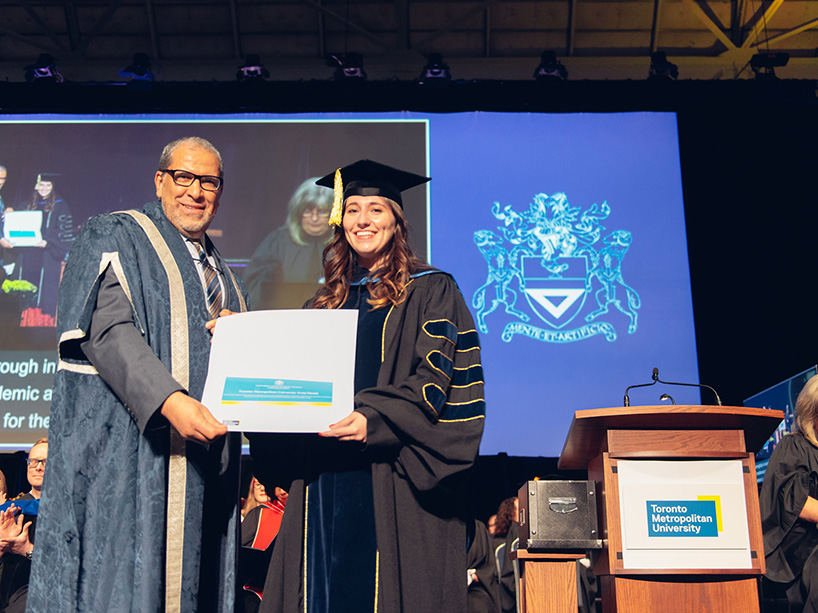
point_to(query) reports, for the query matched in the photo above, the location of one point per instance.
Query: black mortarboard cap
(47, 176)
(368, 178)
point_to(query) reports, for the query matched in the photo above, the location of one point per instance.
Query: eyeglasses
(320, 213)
(183, 178)
(34, 462)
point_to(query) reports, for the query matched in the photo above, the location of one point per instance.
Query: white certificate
(22, 228)
(282, 371)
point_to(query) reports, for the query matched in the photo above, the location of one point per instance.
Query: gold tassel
(338, 202)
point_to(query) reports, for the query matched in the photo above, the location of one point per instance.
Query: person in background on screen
(789, 506)
(3, 175)
(292, 253)
(376, 517)
(42, 264)
(140, 509)
(3, 208)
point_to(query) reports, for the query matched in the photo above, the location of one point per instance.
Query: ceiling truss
(584, 33)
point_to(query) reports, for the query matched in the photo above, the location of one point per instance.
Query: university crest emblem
(559, 258)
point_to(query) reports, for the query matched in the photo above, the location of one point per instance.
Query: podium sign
(689, 515)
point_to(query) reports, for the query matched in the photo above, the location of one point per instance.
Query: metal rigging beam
(455, 22)
(709, 23)
(402, 24)
(572, 27)
(234, 21)
(350, 24)
(39, 21)
(99, 25)
(784, 35)
(72, 23)
(761, 23)
(654, 29)
(152, 29)
(27, 40)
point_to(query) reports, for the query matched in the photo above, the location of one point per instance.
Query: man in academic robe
(139, 509)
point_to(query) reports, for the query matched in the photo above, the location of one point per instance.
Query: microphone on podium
(655, 379)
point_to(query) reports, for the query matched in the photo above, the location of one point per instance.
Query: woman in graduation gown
(789, 507)
(375, 518)
(42, 263)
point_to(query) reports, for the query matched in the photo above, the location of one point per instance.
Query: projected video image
(565, 234)
(271, 224)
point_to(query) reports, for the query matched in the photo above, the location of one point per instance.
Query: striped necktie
(213, 287)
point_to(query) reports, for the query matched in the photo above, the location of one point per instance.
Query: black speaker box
(558, 516)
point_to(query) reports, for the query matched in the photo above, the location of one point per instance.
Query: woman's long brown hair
(48, 202)
(392, 275)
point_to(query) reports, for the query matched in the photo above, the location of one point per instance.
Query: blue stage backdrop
(565, 233)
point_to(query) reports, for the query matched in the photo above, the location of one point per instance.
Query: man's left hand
(211, 324)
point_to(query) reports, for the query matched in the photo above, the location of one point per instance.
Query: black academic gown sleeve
(428, 406)
(122, 357)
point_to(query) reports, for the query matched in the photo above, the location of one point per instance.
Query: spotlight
(661, 69)
(44, 70)
(347, 66)
(253, 70)
(550, 68)
(139, 69)
(435, 70)
(764, 64)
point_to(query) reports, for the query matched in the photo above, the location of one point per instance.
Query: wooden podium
(600, 438)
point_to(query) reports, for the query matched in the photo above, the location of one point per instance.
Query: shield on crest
(556, 289)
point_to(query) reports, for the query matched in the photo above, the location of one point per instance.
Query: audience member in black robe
(484, 594)
(789, 507)
(508, 582)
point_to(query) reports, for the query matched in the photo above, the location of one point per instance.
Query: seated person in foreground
(17, 523)
(789, 507)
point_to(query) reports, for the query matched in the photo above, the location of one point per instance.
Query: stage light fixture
(44, 70)
(139, 69)
(252, 70)
(764, 64)
(347, 66)
(550, 68)
(435, 71)
(661, 69)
